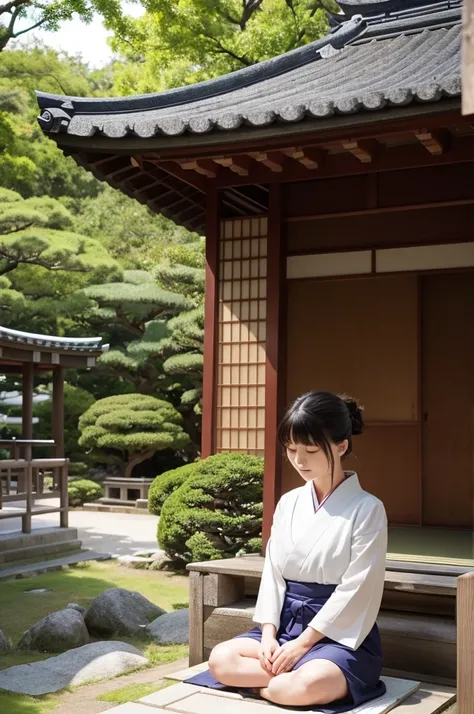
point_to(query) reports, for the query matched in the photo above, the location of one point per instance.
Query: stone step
(30, 569)
(38, 536)
(118, 507)
(411, 642)
(37, 552)
(404, 696)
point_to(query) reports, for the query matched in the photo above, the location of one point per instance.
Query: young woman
(317, 643)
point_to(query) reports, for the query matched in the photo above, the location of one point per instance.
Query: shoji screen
(241, 336)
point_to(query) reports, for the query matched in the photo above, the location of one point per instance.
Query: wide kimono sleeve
(272, 589)
(351, 611)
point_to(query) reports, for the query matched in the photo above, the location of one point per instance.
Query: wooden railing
(465, 643)
(29, 487)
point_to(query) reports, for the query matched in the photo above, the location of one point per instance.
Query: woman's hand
(268, 646)
(287, 655)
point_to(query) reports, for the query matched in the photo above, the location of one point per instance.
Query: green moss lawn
(20, 609)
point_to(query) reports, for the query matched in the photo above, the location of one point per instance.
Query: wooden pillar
(465, 643)
(275, 356)
(27, 401)
(24, 477)
(468, 58)
(210, 322)
(58, 411)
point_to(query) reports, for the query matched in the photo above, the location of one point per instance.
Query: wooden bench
(417, 620)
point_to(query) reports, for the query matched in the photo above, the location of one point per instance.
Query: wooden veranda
(22, 474)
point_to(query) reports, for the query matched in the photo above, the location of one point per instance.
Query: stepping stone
(407, 696)
(136, 708)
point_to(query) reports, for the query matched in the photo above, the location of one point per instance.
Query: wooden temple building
(335, 187)
(21, 474)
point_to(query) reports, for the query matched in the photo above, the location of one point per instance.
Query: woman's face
(310, 460)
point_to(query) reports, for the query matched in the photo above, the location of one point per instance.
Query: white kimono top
(343, 543)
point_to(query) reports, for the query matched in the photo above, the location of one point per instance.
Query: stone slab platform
(407, 696)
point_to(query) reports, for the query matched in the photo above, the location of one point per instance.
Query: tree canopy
(176, 43)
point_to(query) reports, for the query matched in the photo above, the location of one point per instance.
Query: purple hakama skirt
(361, 667)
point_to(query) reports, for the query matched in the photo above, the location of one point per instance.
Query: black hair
(318, 418)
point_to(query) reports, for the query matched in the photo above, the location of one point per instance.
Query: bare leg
(316, 682)
(235, 663)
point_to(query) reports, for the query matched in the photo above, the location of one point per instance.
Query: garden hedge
(217, 511)
(165, 484)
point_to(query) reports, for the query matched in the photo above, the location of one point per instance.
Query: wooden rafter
(191, 178)
(363, 149)
(436, 142)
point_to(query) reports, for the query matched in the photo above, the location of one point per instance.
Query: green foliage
(217, 511)
(132, 692)
(43, 263)
(139, 239)
(165, 484)
(26, 15)
(131, 427)
(178, 43)
(84, 491)
(76, 402)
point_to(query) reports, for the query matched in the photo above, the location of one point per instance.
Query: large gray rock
(78, 608)
(99, 660)
(171, 628)
(57, 632)
(120, 612)
(4, 643)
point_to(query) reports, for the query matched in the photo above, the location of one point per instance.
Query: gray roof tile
(365, 64)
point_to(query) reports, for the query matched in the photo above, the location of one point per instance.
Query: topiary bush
(217, 511)
(84, 491)
(165, 484)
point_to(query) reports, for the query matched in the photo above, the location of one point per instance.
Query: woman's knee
(222, 659)
(294, 688)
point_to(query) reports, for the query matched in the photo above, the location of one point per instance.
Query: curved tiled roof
(76, 344)
(364, 64)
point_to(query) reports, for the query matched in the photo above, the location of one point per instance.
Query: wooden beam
(275, 354)
(363, 149)
(312, 157)
(238, 164)
(465, 643)
(58, 411)
(189, 177)
(205, 167)
(391, 159)
(436, 142)
(377, 211)
(273, 160)
(27, 401)
(211, 302)
(468, 58)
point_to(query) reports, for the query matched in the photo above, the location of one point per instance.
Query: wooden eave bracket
(365, 150)
(312, 158)
(240, 165)
(205, 167)
(273, 160)
(436, 142)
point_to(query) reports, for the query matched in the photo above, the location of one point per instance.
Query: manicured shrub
(217, 511)
(165, 484)
(84, 491)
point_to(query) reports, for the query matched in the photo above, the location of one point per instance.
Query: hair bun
(355, 413)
